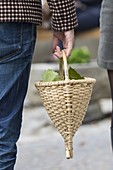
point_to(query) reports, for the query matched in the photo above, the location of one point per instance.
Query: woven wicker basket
(66, 103)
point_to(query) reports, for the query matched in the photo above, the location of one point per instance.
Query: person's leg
(17, 41)
(110, 75)
(88, 18)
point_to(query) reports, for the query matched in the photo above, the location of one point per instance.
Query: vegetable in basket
(63, 100)
(51, 75)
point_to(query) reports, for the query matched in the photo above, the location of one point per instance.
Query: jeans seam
(33, 37)
(19, 48)
(12, 54)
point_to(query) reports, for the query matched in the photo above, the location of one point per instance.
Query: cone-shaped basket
(66, 103)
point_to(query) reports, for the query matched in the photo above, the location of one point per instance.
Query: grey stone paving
(41, 147)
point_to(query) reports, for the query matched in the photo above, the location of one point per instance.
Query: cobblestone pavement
(41, 147)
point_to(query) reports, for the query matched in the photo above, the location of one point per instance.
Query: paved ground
(41, 147)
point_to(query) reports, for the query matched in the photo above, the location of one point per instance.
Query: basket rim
(62, 82)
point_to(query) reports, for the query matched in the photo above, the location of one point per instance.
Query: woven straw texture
(66, 103)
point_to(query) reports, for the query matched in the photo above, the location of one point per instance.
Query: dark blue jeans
(88, 18)
(17, 41)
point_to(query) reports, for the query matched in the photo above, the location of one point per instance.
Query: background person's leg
(88, 18)
(17, 42)
(110, 75)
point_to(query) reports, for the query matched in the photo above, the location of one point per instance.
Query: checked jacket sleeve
(63, 14)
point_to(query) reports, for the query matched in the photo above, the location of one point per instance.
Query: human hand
(67, 39)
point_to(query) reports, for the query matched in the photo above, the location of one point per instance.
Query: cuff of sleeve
(64, 25)
(64, 16)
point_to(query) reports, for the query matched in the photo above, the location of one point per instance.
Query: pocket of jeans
(10, 40)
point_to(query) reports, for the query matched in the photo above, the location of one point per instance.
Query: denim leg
(17, 41)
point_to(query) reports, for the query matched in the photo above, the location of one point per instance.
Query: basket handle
(63, 60)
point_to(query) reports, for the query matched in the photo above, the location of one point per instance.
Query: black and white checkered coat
(63, 12)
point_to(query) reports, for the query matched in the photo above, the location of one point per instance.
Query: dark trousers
(89, 18)
(110, 75)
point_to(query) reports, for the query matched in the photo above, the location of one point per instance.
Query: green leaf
(50, 75)
(57, 78)
(74, 75)
(80, 55)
